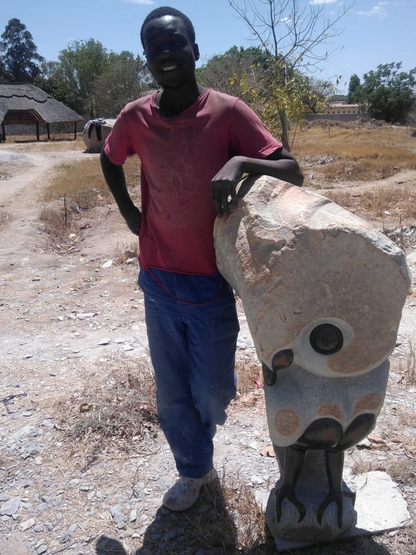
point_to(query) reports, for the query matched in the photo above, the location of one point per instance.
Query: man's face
(170, 53)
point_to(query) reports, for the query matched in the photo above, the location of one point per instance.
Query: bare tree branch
(293, 30)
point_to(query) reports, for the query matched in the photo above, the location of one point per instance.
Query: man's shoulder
(224, 98)
(141, 103)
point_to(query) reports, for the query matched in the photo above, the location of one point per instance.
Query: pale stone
(9, 508)
(380, 507)
(95, 141)
(297, 259)
(27, 524)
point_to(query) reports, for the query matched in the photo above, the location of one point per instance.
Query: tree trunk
(285, 133)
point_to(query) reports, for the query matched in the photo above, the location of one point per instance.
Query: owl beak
(281, 360)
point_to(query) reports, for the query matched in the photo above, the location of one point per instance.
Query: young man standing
(194, 144)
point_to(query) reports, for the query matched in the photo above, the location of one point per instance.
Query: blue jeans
(192, 328)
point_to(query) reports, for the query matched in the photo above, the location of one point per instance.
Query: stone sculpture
(95, 133)
(323, 293)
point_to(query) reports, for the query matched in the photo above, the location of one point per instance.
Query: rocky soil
(72, 339)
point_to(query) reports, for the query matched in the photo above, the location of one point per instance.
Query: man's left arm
(280, 164)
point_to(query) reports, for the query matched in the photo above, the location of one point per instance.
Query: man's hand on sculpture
(133, 219)
(223, 185)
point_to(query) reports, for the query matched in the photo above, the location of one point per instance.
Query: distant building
(336, 111)
(25, 104)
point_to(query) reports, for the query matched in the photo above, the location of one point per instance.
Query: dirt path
(405, 178)
(72, 325)
(54, 289)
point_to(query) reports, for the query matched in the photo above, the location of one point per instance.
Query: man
(194, 144)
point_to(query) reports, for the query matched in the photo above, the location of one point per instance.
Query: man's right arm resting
(116, 181)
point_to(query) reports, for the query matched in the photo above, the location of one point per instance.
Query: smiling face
(170, 53)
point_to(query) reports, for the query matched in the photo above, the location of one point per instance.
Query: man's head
(166, 10)
(168, 39)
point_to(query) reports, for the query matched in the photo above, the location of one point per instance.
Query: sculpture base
(311, 491)
(379, 505)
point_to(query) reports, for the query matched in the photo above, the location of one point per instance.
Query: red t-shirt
(179, 156)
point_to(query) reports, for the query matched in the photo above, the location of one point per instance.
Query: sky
(372, 33)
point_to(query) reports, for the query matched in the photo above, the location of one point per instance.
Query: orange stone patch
(286, 422)
(370, 402)
(330, 409)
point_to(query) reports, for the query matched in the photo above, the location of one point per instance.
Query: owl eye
(326, 339)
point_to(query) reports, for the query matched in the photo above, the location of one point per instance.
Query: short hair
(166, 10)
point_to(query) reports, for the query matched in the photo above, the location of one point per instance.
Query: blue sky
(374, 32)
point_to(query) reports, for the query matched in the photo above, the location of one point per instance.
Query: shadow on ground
(206, 529)
(210, 528)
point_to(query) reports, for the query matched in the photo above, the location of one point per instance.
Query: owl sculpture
(323, 293)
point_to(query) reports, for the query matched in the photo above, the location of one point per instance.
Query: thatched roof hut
(25, 104)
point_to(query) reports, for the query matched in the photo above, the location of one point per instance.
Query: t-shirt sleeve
(249, 136)
(117, 145)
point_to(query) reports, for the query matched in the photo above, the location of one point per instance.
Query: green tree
(294, 33)
(354, 89)
(46, 79)
(3, 73)
(389, 93)
(125, 79)
(316, 94)
(79, 65)
(234, 71)
(250, 74)
(19, 57)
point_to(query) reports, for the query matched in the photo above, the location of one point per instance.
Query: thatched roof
(25, 103)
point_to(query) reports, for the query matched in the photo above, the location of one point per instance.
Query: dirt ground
(72, 325)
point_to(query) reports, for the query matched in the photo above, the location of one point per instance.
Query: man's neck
(172, 102)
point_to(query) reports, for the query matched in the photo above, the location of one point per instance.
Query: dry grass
(361, 464)
(358, 154)
(248, 518)
(394, 200)
(116, 407)
(126, 253)
(407, 418)
(76, 188)
(5, 218)
(81, 183)
(249, 375)
(56, 222)
(63, 141)
(5, 174)
(401, 470)
(226, 519)
(409, 372)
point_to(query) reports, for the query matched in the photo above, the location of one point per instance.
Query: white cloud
(376, 11)
(319, 2)
(145, 2)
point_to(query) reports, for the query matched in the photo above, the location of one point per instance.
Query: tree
(235, 70)
(3, 72)
(354, 89)
(20, 60)
(317, 93)
(389, 93)
(46, 80)
(79, 65)
(295, 33)
(124, 80)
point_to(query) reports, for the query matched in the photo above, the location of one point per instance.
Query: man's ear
(196, 52)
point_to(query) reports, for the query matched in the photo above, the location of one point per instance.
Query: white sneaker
(185, 492)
